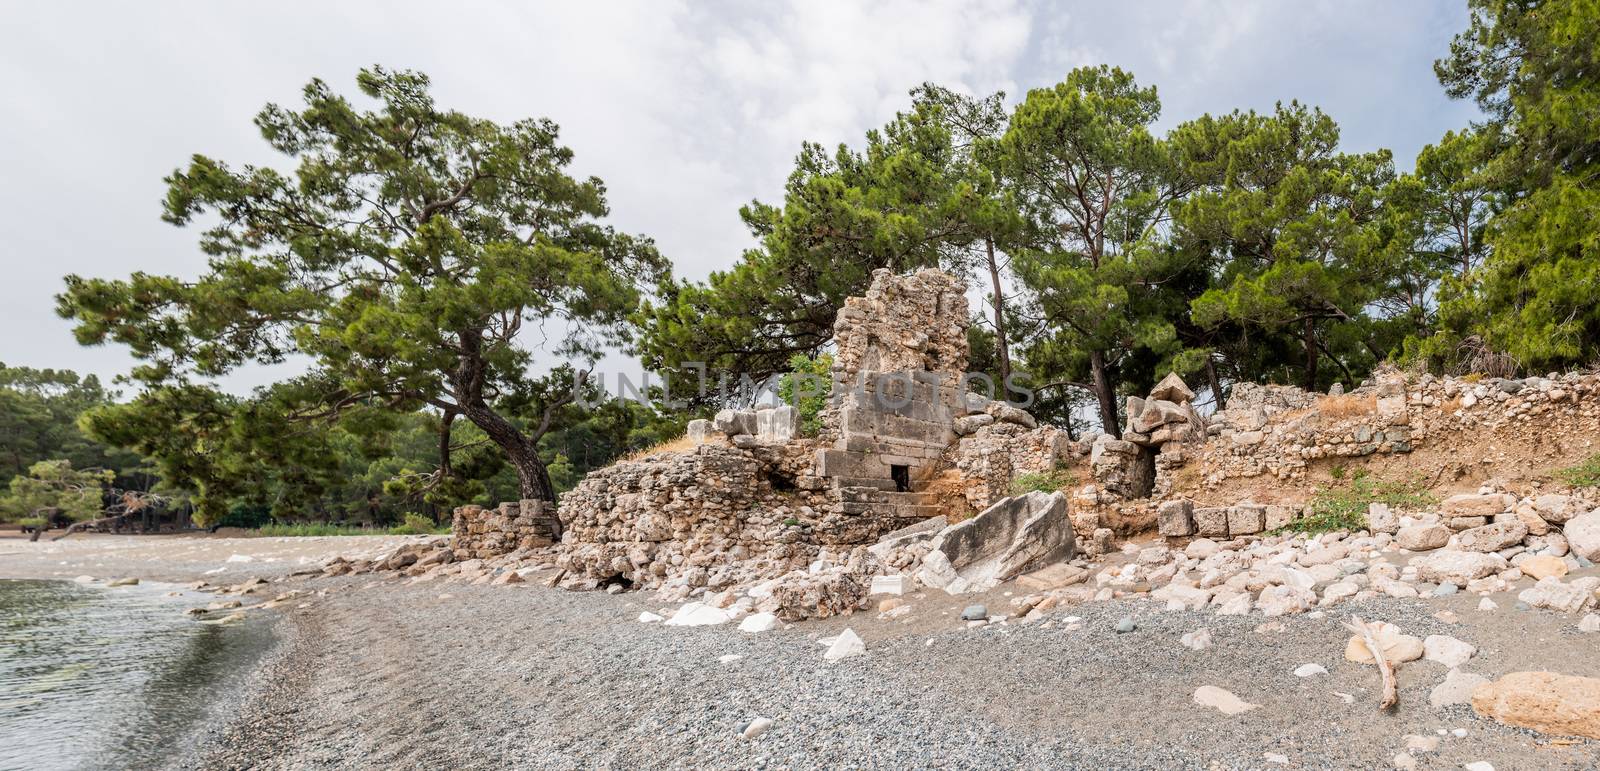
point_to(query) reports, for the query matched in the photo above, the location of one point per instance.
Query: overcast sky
(686, 110)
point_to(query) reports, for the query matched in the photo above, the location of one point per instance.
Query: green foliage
(1530, 66)
(1585, 474)
(401, 257)
(811, 376)
(55, 486)
(1043, 481)
(307, 529)
(1344, 507)
(39, 411)
(416, 524)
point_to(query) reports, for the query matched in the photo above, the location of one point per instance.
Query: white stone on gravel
(1221, 700)
(1197, 640)
(729, 658)
(1487, 604)
(1310, 670)
(1456, 688)
(888, 585)
(1447, 650)
(698, 614)
(758, 622)
(649, 618)
(1590, 623)
(756, 727)
(1479, 765)
(847, 644)
(240, 558)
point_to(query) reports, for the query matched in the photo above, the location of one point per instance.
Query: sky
(686, 110)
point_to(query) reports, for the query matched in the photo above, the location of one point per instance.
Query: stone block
(1246, 519)
(1175, 519)
(778, 425)
(1212, 522)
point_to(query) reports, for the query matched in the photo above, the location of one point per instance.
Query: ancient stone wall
(477, 532)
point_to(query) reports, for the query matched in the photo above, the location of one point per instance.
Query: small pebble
(1126, 625)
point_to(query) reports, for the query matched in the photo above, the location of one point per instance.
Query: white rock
(756, 727)
(888, 585)
(847, 644)
(240, 558)
(1487, 604)
(698, 614)
(1273, 757)
(1198, 640)
(1221, 700)
(1455, 689)
(729, 658)
(1238, 606)
(1590, 623)
(1447, 650)
(83, 580)
(1310, 670)
(1479, 765)
(758, 622)
(649, 618)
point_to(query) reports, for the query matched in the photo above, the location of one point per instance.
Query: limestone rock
(847, 644)
(1457, 688)
(698, 614)
(1221, 700)
(1211, 522)
(1557, 509)
(1175, 519)
(1056, 576)
(1422, 537)
(1006, 413)
(970, 424)
(1017, 535)
(1543, 566)
(1473, 505)
(801, 595)
(1583, 535)
(1197, 640)
(1172, 389)
(756, 623)
(1493, 537)
(1542, 701)
(1456, 567)
(1382, 519)
(1447, 650)
(1551, 594)
(1285, 600)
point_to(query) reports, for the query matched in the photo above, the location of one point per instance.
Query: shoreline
(384, 671)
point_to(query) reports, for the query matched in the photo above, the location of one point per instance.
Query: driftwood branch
(1391, 695)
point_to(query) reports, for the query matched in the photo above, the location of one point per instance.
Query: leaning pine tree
(402, 258)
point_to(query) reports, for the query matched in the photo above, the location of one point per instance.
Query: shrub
(1585, 474)
(1345, 507)
(1044, 481)
(818, 370)
(415, 524)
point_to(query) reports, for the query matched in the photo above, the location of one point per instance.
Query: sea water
(110, 677)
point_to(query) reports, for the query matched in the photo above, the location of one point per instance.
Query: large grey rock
(1015, 536)
(1583, 535)
(699, 430)
(1474, 505)
(1175, 519)
(1557, 509)
(735, 422)
(1551, 594)
(1172, 389)
(1212, 522)
(971, 423)
(1493, 537)
(1157, 413)
(778, 425)
(1422, 537)
(1457, 567)
(1382, 519)
(1006, 413)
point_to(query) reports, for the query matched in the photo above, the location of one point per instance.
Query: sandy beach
(376, 672)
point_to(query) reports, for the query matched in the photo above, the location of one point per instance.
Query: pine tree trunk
(1002, 354)
(1215, 383)
(1104, 393)
(533, 480)
(1311, 355)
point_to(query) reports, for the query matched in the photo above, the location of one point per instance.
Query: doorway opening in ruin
(902, 478)
(779, 482)
(616, 580)
(1143, 481)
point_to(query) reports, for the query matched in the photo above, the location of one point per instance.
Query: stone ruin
(901, 442)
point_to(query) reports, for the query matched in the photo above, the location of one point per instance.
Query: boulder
(1457, 688)
(1551, 594)
(1172, 389)
(847, 644)
(1381, 518)
(699, 430)
(1475, 505)
(1158, 413)
(697, 614)
(1542, 701)
(1175, 519)
(1583, 535)
(1493, 537)
(1457, 567)
(1447, 650)
(1015, 536)
(778, 425)
(1246, 519)
(1543, 566)
(971, 423)
(1285, 600)
(1422, 537)
(735, 422)
(1557, 509)
(1212, 522)
(1007, 413)
(801, 595)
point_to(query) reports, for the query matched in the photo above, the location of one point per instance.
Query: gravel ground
(386, 676)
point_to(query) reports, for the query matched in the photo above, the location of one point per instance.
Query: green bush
(416, 524)
(1043, 481)
(810, 406)
(302, 529)
(1345, 507)
(1585, 474)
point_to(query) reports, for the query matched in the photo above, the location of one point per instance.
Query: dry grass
(1347, 406)
(679, 444)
